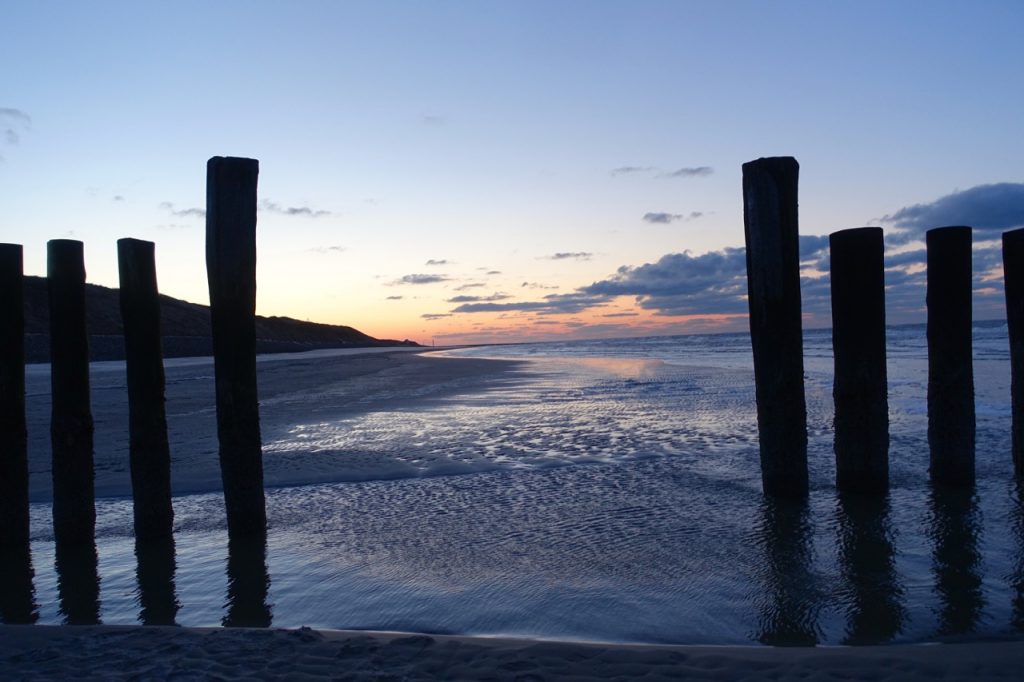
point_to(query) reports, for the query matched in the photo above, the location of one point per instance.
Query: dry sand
(168, 653)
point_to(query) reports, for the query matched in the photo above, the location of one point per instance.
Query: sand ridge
(109, 652)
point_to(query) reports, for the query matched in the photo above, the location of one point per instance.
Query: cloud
(621, 315)
(692, 172)
(553, 304)
(435, 316)
(478, 299)
(666, 218)
(183, 212)
(567, 255)
(11, 137)
(536, 285)
(118, 197)
(629, 170)
(470, 285)
(493, 272)
(421, 279)
(327, 249)
(394, 298)
(682, 284)
(986, 208)
(437, 262)
(305, 211)
(16, 115)
(432, 120)
(15, 119)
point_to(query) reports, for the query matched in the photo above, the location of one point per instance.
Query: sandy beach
(152, 653)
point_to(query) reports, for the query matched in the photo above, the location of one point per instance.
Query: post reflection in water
(954, 526)
(78, 583)
(17, 594)
(248, 584)
(875, 612)
(158, 603)
(1016, 580)
(790, 600)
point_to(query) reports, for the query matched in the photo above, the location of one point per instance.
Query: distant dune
(185, 328)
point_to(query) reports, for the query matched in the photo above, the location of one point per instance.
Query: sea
(604, 490)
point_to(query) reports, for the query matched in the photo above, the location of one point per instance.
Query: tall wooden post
(1013, 276)
(14, 528)
(950, 364)
(860, 390)
(773, 286)
(231, 270)
(149, 453)
(74, 511)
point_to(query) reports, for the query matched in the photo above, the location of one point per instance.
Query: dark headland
(185, 328)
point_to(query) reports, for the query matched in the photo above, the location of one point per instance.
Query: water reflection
(1016, 579)
(954, 526)
(790, 598)
(867, 561)
(158, 603)
(248, 584)
(17, 595)
(78, 583)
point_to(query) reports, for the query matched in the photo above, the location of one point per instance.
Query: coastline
(112, 652)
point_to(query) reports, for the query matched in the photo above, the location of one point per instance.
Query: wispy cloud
(394, 298)
(553, 304)
(118, 198)
(630, 170)
(420, 279)
(304, 211)
(435, 316)
(537, 285)
(987, 208)
(478, 299)
(665, 218)
(182, 212)
(441, 261)
(433, 120)
(569, 255)
(327, 249)
(689, 172)
(12, 121)
(470, 285)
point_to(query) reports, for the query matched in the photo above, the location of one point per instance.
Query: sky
(461, 172)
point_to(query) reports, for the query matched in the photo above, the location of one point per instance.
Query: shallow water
(609, 491)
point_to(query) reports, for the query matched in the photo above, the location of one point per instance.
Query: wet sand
(351, 381)
(127, 652)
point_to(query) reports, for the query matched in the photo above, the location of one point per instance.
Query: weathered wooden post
(14, 529)
(773, 286)
(149, 453)
(74, 511)
(231, 271)
(1013, 277)
(950, 369)
(860, 390)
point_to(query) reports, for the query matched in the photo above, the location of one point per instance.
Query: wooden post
(773, 286)
(231, 271)
(860, 390)
(950, 368)
(14, 527)
(158, 603)
(74, 511)
(1013, 276)
(150, 455)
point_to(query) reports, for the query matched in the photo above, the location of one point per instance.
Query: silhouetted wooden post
(14, 530)
(1013, 277)
(150, 455)
(773, 286)
(231, 271)
(74, 511)
(950, 363)
(860, 390)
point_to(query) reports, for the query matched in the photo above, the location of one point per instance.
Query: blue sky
(480, 171)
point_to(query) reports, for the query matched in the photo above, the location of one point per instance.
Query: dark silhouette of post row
(773, 286)
(14, 530)
(950, 371)
(231, 271)
(1013, 275)
(860, 390)
(71, 427)
(150, 455)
